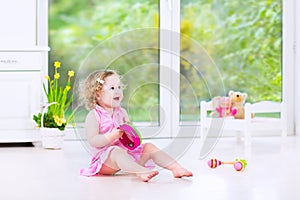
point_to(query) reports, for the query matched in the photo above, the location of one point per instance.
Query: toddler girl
(103, 93)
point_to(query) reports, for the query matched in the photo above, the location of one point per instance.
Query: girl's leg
(119, 159)
(162, 159)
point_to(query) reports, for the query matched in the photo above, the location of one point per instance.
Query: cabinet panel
(20, 60)
(21, 97)
(18, 19)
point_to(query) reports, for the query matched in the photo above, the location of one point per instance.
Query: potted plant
(52, 120)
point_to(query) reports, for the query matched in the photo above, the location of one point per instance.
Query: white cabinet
(23, 64)
(20, 100)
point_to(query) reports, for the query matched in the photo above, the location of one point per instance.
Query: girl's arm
(125, 118)
(92, 130)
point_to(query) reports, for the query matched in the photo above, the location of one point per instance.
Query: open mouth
(116, 98)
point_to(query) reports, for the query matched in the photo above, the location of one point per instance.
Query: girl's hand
(115, 134)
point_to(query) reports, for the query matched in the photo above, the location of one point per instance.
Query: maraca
(131, 137)
(238, 165)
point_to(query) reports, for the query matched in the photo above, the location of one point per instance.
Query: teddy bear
(238, 100)
(222, 107)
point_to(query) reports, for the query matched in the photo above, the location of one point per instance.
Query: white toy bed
(253, 121)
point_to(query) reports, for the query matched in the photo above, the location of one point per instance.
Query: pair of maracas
(238, 164)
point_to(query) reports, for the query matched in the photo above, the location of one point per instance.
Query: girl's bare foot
(147, 176)
(180, 172)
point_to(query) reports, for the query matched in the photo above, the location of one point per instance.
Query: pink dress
(107, 123)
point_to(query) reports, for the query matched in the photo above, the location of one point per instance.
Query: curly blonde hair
(94, 82)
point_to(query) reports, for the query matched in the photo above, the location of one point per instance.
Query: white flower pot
(52, 138)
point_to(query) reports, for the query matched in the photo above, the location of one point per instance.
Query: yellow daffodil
(57, 64)
(71, 73)
(47, 78)
(59, 121)
(68, 87)
(56, 75)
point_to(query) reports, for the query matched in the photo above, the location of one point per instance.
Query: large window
(244, 40)
(224, 45)
(106, 31)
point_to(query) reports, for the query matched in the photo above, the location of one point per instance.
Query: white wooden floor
(273, 173)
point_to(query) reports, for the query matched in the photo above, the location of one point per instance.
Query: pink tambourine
(131, 137)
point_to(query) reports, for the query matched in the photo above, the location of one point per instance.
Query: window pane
(244, 40)
(77, 27)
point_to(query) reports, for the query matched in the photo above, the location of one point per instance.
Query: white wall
(297, 70)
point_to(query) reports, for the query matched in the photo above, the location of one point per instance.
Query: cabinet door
(20, 99)
(18, 20)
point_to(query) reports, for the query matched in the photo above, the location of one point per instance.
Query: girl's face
(111, 94)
